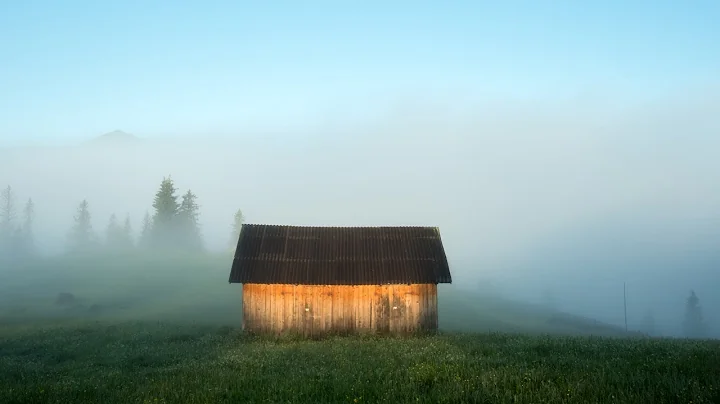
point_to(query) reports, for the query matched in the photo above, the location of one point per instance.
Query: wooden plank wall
(342, 309)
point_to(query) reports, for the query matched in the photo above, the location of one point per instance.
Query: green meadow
(158, 329)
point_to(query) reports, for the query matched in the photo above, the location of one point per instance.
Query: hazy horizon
(576, 211)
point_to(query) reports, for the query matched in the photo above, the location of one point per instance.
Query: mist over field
(552, 204)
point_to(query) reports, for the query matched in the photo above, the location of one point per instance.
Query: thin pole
(625, 305)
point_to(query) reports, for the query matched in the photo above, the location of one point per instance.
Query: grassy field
(153, 329)
(157, 363)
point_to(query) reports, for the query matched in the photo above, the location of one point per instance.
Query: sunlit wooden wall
(343, 309)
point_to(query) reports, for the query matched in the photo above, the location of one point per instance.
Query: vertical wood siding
(315, 310)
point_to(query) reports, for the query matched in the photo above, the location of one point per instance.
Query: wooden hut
(319, 280)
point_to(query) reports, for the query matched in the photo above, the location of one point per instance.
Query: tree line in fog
(172, 224)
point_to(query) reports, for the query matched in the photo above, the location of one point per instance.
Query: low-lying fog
(549, 204)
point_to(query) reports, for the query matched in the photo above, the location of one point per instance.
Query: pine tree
(113, 234)
(8, 215)
(146, 232)
(166, 210)
(27, 234)
(693, 325)
(238, 220)
(188, 223)
(127, 234)
(81, 236)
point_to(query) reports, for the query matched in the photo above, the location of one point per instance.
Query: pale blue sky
(75, 69)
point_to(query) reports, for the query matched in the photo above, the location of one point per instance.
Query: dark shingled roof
(339, 255)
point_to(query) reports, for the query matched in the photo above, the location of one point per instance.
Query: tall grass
(160, 363)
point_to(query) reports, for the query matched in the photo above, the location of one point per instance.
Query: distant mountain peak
(115, 137)
(118, 134)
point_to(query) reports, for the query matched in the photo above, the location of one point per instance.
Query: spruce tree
(8, 214)
(81, 236)
(127, 234)
(188, 223)
(27, 234)
(693, 325)
(166, 210)
(146, 232)
(113, 234)
(238, 220)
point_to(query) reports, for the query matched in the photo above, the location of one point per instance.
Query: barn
(339, 280)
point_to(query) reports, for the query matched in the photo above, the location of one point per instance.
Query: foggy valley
(559, 208)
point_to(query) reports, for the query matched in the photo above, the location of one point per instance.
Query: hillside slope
(195, 289)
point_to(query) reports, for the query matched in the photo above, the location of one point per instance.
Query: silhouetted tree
(188, 223)
(113, 234)
(127, 234)
(146, 232)
(166, 210)
(27, 235)
(81, 236)
(119, 238)
(16, 239)
(693, 325)
(8, 214)
(238, 220)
